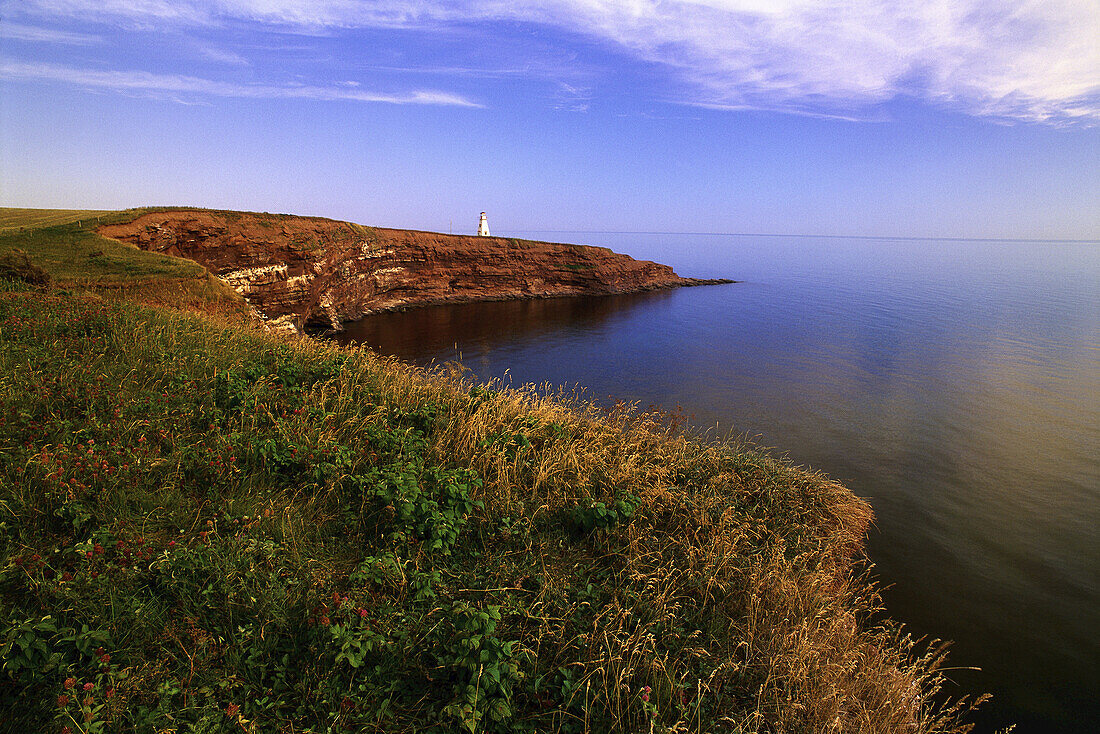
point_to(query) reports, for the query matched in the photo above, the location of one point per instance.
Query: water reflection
(956, 385)
(471, 331)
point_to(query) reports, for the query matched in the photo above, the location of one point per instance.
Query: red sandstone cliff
(295, 270)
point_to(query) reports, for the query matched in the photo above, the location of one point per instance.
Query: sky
(864, 117)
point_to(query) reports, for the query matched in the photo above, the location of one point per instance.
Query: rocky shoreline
(295, 271)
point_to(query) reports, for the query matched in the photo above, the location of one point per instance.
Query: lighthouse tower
(483, 226)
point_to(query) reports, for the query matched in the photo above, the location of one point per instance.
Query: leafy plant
(596, 515)
(486, 669)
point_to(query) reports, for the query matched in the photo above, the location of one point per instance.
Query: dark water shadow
(421, 335)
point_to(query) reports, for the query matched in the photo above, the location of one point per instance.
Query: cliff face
(297, 270)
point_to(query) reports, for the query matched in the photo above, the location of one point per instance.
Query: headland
(296, 271)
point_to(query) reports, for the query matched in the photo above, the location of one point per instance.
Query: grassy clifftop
(207, 528)
(64, 244)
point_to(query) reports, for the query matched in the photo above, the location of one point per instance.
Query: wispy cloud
(17, 32)
(1012, 59)
(221, 56)
(172, 86)
(142, 12)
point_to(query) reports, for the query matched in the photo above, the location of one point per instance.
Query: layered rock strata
(298, 270)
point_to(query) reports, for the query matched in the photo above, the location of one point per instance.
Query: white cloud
(17, 32)
(165, 10)
(171, 85)
(1023, 60)
(221, 56)
(1035, 60)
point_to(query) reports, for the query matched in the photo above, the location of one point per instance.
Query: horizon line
(1083, 241)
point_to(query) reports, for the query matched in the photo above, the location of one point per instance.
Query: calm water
(956, 385)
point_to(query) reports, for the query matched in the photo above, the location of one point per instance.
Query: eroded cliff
(298, 270)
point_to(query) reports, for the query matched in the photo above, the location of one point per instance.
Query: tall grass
(212, 529)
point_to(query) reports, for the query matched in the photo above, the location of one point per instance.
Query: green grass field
(14, 218)
(65, 244)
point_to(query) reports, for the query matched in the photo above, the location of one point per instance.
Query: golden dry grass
(762, 550)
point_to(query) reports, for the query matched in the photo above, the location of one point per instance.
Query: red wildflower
(88, 687)
(70, 682)
(62, 701)
(109, 693)
(66, 730)
(66, 576)
(362, 612)
(232, 709)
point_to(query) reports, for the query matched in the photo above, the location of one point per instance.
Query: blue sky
(973, 119)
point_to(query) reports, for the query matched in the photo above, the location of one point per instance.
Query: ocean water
(954, 384)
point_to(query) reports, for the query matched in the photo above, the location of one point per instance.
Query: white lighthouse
(483, 226)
